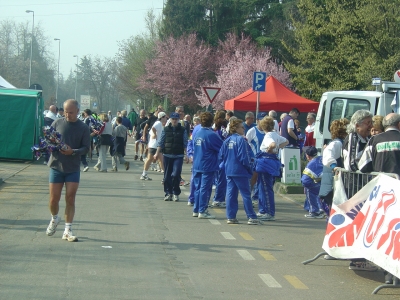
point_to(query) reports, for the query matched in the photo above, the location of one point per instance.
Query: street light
(58, 69)
(30, 61)
(76, 74)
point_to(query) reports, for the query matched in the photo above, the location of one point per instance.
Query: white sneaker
(205, 215)
(218, 204)
(265, 217)
(144, 177)
(68, 236)
(51, 229)
(190, 204)
(195, 215)
(175, 198)
(85, 169)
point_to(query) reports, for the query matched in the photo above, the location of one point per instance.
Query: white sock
(68, 227)
(144, 173)
(54, 217)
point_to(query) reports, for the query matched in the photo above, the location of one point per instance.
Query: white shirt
(51, 115)
(331, 153)
(271, 137)
(155, 138)
(310, 128)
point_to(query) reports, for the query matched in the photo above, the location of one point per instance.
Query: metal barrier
(353, 182)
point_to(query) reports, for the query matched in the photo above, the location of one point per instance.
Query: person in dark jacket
(288, 127)
(172, 144)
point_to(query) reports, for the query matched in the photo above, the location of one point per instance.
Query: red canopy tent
(276, 97)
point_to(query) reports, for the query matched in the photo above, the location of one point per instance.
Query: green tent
(21, 113)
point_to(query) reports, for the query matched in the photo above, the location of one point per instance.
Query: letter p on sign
(259, 81)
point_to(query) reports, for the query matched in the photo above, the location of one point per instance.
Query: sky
(84, 27)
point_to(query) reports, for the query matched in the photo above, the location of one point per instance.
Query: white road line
(245, 255)
(214, 222)
(186, 193)
(269, 280)
(228, 236)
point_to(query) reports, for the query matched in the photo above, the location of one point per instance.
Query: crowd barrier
(352, 183)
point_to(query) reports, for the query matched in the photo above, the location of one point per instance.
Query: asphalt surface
(134, 245)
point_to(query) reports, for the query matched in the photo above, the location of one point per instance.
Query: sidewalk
(10, 168)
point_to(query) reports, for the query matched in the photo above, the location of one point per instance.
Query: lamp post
(30, 60)
(76, 74)
(58, 69)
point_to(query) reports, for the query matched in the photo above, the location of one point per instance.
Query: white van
(342, 104)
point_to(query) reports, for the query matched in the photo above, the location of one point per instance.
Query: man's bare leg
(70, 194)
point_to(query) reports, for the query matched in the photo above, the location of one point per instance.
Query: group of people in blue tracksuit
(240, 160)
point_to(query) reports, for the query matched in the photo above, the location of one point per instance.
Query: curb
(281, 188)
(3, 180)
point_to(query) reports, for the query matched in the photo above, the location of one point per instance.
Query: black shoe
(136, 157)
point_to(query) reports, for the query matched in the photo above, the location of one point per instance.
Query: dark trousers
(220, 190)
(172, 175)
(83, 160)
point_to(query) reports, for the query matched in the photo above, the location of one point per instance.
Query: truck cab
(343, 104)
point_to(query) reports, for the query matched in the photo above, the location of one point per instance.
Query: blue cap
(174, 115)
(261, 115)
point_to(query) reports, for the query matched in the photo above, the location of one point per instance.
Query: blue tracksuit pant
(266, 197)
(191, 196)
(313, 200)
(202, 189)
(172, 175)
(237, 184)
(220, 190)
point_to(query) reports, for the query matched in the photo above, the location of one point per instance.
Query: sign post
(259, 85)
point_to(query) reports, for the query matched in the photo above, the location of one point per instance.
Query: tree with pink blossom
(180, 66)
(237, 59)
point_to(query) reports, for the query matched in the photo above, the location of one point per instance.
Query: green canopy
(21, 113)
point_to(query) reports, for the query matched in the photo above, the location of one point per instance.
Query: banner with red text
(368, 225)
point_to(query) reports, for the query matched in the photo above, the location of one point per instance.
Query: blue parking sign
(259, 81)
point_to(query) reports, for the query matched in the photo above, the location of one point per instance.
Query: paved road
(133, 245)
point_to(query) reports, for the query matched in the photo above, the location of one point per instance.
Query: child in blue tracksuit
(206, 145)
(234, 156)
(311, 180)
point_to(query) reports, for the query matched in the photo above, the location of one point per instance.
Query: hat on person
(261, 115)
(174, 115)
(311, 151)
(161, 114)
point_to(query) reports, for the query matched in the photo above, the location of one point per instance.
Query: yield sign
(211, 92)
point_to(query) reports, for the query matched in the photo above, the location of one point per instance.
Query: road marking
(187, 193)
(245, 255)
(228, 236)
(269, 280)
(214, 222)
(293, 280)
(218, 211)
(246, 236)
(266, 255)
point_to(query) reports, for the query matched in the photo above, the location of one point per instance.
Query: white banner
(368, 225)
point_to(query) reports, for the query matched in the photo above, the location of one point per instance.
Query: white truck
(342, 104)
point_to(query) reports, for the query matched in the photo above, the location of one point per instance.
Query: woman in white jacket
(105, 143)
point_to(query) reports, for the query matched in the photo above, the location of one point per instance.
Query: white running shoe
(51, 229)
(68, 236)
(85, 169)
(205, 215)
(175, 198)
